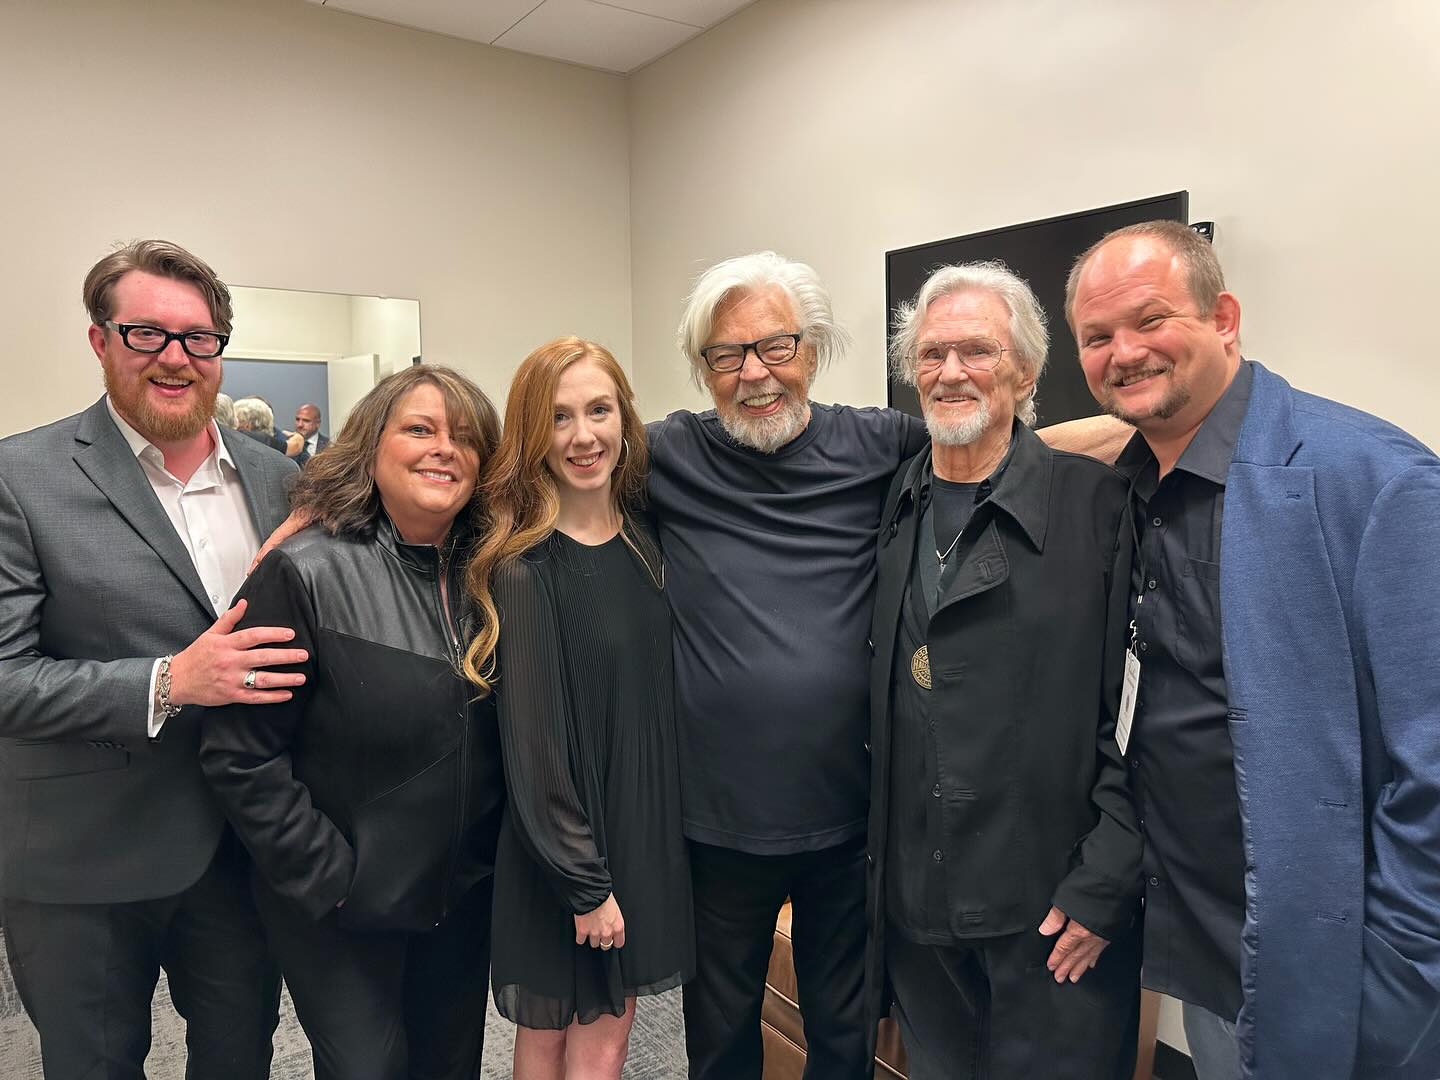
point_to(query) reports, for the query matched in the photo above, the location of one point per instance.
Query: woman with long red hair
(592, 902)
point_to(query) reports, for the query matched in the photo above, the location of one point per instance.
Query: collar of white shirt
(148, 452)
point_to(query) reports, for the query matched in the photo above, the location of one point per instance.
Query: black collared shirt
(917, 900)
(1182, 762)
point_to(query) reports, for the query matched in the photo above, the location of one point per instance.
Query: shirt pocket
(1198, 618)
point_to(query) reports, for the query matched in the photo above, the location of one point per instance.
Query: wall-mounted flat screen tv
(1041, 252)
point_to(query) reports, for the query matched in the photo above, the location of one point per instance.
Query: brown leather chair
(785, 1040)
(780, 1019)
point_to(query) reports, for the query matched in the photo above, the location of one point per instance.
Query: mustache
(941, 392)
(1149, 371)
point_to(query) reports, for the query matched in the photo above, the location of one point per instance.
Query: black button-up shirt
(1182, 761)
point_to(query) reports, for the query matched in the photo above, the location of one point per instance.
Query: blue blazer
(1330, 615)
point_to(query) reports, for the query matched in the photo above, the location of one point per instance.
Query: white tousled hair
(252, 414)
(1028, 332)
(757, 272)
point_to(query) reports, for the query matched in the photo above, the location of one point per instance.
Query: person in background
(370, 802)
(225, 410)
(307, 426)
(1006, 884)
(124, 531)
(1286, 746)
(592, 903)
(253, 417)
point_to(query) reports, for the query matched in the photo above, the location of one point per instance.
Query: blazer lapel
(267, 510)
(106, 458)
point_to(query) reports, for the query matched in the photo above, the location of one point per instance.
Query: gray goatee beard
(959, 431)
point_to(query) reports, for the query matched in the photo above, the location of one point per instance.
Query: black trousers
(86, 975)
(737, 899)
(991, 1010)
(387, 1006)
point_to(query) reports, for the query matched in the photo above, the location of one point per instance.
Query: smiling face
(760, 407)
(168, 396)
(425, 471)
(587, 442)
(1149, 357)
(962, 405)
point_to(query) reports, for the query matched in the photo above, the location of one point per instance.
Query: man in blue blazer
(1285, 748)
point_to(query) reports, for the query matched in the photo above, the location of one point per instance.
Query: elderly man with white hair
(1006, 877)
(768, 507)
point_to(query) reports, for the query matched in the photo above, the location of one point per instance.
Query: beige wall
(833, 130)
(306, 149)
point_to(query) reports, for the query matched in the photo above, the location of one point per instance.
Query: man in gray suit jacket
(124, 531)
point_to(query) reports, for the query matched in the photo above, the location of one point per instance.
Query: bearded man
(124, 531)
(1006, 854)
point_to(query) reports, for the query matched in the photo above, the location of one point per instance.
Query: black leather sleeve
(245, 753)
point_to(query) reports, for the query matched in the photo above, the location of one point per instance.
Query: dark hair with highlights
(163, 259)
(337, 488)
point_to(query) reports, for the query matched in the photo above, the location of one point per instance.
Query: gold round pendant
(920, 666)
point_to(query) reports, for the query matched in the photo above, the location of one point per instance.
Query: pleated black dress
(587, 725)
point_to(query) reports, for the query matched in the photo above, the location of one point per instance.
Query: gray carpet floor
(657, 1042)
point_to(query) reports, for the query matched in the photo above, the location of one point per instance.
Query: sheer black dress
(587, 725)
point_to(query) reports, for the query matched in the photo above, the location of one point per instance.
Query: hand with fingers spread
(225, 666)
(1077, 949)
(297, 520)
(603, 928)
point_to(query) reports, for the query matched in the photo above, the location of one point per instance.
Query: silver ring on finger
(249, 683)
(607, 945)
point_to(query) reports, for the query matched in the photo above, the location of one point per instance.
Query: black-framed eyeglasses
(199, 344)
(772, 351)
(978, 354)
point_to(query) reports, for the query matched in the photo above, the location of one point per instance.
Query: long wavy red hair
(519, 492)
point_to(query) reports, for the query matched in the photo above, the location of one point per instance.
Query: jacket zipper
(453, 641)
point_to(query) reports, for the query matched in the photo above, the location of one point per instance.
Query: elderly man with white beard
(1006, 851)
(768, 508)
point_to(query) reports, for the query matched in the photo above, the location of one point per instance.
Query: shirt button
(1150, 584)
(1144, 645)
(1154, 881)
(1155, 522)
(935, 791)
(938, 856)
(214, 598)
(202, 541)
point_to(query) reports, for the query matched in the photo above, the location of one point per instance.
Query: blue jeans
(1213, 1049)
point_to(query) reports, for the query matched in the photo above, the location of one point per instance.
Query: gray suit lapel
(106, 458)
(267, 506)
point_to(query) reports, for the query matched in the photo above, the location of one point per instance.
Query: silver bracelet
(168, 709)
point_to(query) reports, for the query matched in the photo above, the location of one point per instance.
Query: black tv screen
(1042, 253)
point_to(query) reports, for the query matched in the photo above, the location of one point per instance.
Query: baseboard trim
(1171, 1064)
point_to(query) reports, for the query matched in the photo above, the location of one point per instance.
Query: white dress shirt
(210, 515)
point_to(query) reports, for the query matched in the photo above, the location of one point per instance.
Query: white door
(351, 378)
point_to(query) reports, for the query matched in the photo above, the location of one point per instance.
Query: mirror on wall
(294, 348)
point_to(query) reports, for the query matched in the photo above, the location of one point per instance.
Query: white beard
(959, 431)
(765, 433)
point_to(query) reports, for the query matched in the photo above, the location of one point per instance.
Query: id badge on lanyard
(1130, 688)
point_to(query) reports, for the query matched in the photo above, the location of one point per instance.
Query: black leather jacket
(379, 783)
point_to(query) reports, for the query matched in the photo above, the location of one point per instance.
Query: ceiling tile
(595, 34)
(459, 18)
(694, 12)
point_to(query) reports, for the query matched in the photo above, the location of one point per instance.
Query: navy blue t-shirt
(770, 567)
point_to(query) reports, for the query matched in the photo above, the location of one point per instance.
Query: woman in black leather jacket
(371, 800)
